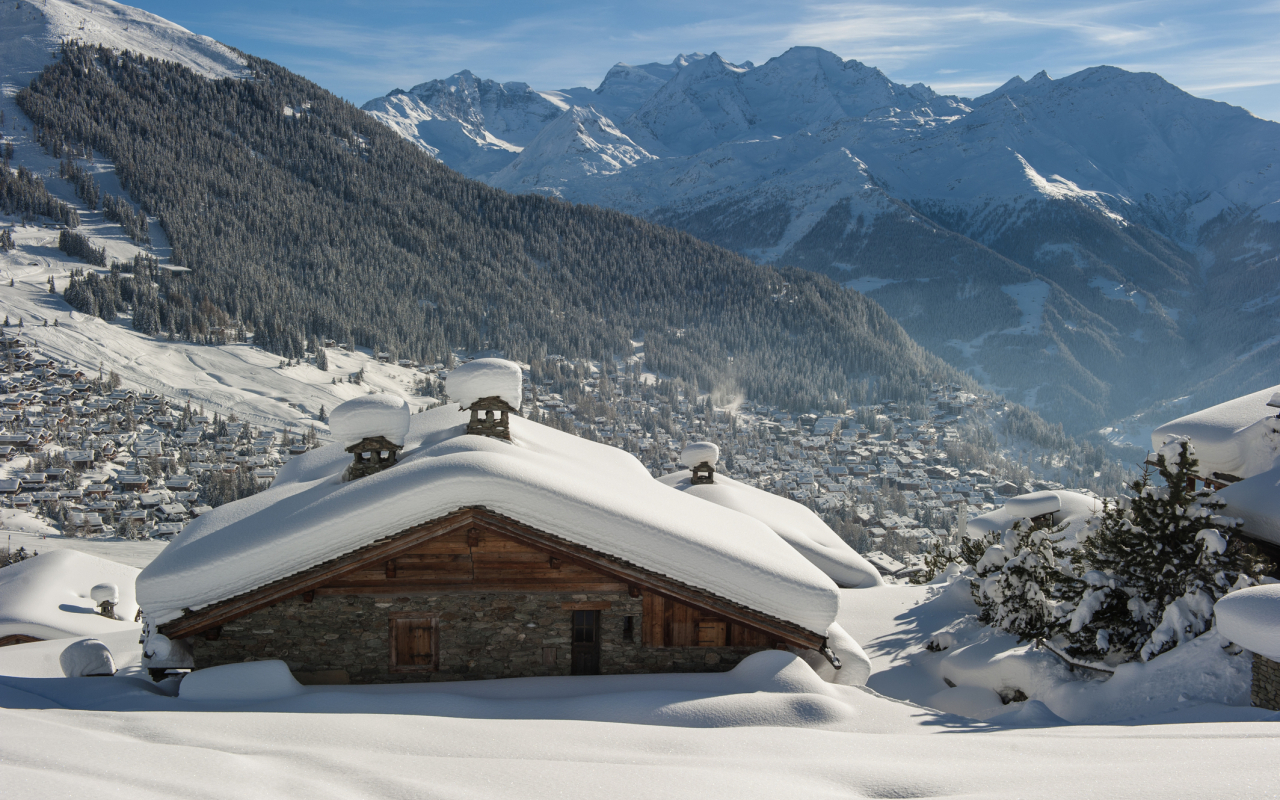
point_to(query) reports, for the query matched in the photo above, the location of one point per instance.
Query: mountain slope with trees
(301, 216)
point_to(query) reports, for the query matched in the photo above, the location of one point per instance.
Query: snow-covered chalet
(467, 542)
(1237, 445)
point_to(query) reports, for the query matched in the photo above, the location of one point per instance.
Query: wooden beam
(419, 589)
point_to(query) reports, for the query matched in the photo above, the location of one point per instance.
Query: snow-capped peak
(31, 32)
(580, 143)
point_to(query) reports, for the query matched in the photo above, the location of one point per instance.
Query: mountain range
(1090, 246)
(278, 209)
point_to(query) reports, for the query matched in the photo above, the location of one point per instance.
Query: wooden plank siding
(471, 560)
(475, 550)
(669, 623)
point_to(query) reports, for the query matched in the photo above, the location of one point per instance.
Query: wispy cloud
(362, 48)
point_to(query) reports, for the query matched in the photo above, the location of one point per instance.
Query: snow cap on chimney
(701, 458)
(491, 389)
(370, 415)
(485, 377)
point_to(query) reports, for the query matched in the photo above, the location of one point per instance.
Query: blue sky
(360, 49)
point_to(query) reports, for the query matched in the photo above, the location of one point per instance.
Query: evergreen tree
(322, 359)
(1153, 566)
(1019, 581)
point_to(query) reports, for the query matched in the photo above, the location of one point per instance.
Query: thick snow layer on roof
(48, 596)
(485, 377)
(696, 453)
(368, 416)
(1251, 619)
(1256, 501)
(1073, 508)
(796, 525)
(582, 491)
(1240, 437)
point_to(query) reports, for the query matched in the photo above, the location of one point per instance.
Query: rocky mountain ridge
(1089, 245)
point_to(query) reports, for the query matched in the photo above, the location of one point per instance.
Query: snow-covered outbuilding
(1052, 508)
(50, 597)
(1251, 618)
(478, 556)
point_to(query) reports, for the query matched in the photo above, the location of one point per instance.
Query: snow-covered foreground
(768, 728)
(329, 744)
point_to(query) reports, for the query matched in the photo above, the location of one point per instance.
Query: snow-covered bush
(1019, 581)
(86, 658)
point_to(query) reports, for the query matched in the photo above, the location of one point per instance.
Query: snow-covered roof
(1073, 508)
(584, 492)
(793, 523)
(1251, 618)
(1256, 501)
(1240, 437)
(368, 416)
(485, 377)
(48, 596)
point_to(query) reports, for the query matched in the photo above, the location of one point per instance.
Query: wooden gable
(476, 550)
(472, 559)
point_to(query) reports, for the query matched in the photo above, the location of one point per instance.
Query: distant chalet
(452, 550)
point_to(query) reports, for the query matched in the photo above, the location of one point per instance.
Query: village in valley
(92, 458)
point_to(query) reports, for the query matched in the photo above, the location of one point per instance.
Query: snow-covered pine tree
(322, 358)
(1019, 581)
(1153, 566)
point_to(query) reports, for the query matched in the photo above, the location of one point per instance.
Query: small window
(413, 643)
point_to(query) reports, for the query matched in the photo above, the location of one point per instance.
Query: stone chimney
(490, 416)
(371, 454)
(372, 428)
(491, 389)
(700, 458)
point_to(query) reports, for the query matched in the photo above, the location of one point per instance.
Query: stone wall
(1266, 683)
(341, 639)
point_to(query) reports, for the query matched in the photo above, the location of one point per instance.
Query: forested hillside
(302, 216)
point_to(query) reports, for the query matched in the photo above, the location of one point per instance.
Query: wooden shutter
(413, 643)
(712, 633)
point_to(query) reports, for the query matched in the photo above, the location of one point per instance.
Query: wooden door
(586, 643)
(413, 643)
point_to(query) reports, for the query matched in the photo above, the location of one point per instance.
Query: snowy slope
(222, 378)
(767, 729)
(48, 596)
(31, 30)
